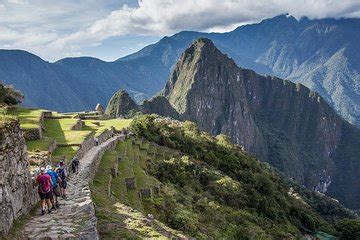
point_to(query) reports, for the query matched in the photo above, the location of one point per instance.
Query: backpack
(75, 162)
(54, 177)
(62, 174)
(44, 184)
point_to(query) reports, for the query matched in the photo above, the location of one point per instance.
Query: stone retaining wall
(47, 114)
(78, 125)
(52, 147)
(33, 133)
(105, 135)
(95, 164)
(85, 146)
(17, 193)
(37, 133)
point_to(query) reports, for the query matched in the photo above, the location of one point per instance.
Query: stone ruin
(99, 109)
(130, 183)
(96, 123)
(47, 114)
(149, 165)
(78, 125)
(145, 193)
(114, 171)
(17, 192)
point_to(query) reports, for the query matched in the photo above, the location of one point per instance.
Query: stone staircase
(76, 217)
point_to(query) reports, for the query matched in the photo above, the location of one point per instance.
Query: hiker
(75, 164)
(44, 190)
(55, 187)
(96, 141)
(63, 175)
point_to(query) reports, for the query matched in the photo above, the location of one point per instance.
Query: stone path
(76, 217)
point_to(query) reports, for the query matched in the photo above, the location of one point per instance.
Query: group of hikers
(52, 184)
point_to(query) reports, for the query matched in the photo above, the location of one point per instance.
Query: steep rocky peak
(200, 50)
(120, 104)
(193, 68)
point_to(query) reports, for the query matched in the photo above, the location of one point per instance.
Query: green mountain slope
(202, 185)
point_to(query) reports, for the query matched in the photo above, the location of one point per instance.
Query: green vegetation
(60, 129)
(121, 105)
(349, 229)
(206, 186)
(28, 117)
(9, 95)
(66, 152)
(115, 218)
(100, 125)
(39, 145)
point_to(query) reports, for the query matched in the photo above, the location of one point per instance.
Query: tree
(9, 95)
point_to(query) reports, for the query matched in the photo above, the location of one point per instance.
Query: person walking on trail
(96, 141)
(63, 176)
(55, 186)
(75, 164)
(44, 190)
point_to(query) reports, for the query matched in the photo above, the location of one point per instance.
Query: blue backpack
(54, 177)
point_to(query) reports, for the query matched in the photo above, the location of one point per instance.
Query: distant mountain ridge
(323, 54)
(282, 123)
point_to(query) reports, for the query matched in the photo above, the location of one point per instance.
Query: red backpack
(44, 183)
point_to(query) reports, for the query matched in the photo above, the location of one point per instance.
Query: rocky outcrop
(120, 105)
(17, 194)
(280, 122)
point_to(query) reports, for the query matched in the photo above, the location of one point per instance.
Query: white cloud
(65, 30)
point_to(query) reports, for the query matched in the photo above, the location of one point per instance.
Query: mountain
(322, 54)
(282, 123)
(71, 84)
(120, 104)
(42, 83)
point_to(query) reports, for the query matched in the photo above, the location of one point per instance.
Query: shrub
(349, 229)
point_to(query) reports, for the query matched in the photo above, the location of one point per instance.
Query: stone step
(76, 216)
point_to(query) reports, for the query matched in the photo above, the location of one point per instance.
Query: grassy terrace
(59, 129)
(28, 117)
(111, 211)
(106, 124)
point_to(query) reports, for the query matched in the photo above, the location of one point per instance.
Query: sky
(109, 29)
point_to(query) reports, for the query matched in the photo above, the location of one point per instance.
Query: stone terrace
(76, 216)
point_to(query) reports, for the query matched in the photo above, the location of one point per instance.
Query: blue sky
(109, 29)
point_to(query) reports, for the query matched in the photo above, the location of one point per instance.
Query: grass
(131, 165)
(39, 145)
(115, 218)
(106, 124)
(28, 117)
(60, 129)
(68, 152)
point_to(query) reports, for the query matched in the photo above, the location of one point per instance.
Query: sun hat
(43, 169)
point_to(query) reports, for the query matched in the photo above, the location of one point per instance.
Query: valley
(246, 127)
